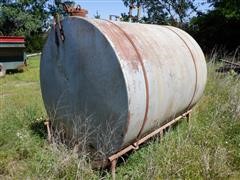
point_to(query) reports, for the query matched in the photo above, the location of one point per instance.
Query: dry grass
(207, 149)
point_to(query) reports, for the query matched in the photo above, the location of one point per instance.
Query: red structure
(12, 39)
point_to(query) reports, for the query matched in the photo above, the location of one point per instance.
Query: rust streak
(195, 65)
(144, 74)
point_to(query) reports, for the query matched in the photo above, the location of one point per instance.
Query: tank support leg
(47, 124)
(188, 116)
(161, 135)
(113, 168)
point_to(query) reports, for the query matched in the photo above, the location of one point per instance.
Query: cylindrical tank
(111, 83)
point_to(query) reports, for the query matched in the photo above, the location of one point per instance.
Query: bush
(35, 43)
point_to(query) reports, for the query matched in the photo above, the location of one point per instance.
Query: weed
(208, 149)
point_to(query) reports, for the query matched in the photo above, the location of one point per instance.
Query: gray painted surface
(12, 65)
(114, 82)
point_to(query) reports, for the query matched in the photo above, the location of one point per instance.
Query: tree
(28, 18)
(218, 28)
(58, 7)
(174, 12)
(18, 19)
(132, 4)
(229, 8)
(156, 13)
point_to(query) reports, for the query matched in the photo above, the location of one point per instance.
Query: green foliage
(165, 11)
(26, 18)
(29, 18)
(58, 7)
(229, 8)
(155, 12)
(207, 148)
(218, 28)
(35, 43)
(24, 151)
(176, 13)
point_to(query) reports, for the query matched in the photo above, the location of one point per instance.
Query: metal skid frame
(135, 146)
(114, 158)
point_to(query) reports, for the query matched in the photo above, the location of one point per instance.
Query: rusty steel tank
(114, 82)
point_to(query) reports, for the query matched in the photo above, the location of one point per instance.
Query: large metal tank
(110, 83)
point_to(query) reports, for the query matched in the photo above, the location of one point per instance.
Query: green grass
(207, 148)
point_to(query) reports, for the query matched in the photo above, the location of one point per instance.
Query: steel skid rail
(113, 159)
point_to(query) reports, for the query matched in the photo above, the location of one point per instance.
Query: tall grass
(24, 150)
(207, 148)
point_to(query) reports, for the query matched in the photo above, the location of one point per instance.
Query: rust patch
(75, 11)
(140, 60)
(122, 47)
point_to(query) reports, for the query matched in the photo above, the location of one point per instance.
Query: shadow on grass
(14, 71)
(38, 128)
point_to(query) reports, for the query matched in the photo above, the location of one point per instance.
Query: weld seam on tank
(144, 74)
(195, 65)
(119, 64)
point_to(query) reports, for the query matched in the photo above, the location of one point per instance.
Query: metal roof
(12, 39)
